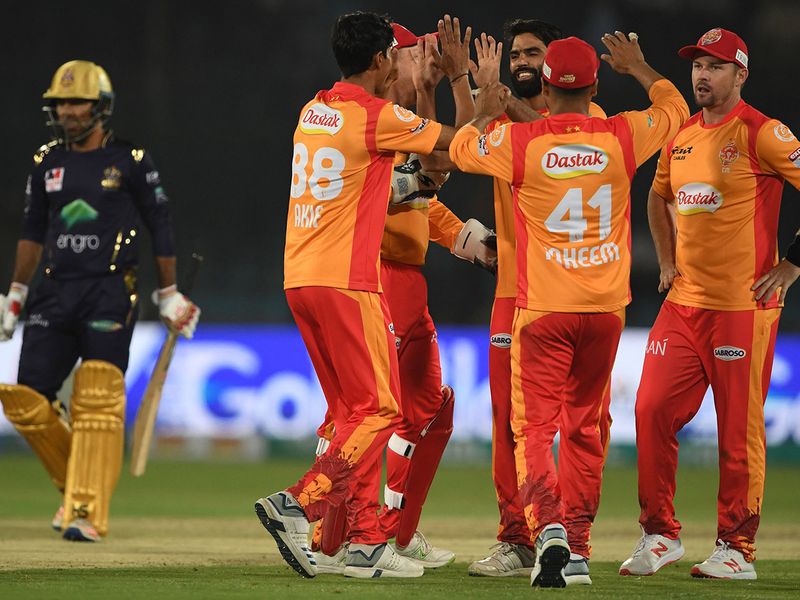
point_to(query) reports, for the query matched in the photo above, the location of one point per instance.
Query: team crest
(404, 114)
(497, 135)
(710, 37)
(112, 178)
(68, 78)
(728, 155)
(783, 133)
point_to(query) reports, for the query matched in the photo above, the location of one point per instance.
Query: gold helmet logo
(79, 79)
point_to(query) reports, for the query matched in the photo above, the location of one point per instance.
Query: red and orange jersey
(410, 226)
(571, 177)
(726, 181)
(344, 147)
(504, 220)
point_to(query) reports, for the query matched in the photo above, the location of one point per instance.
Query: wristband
(793, 252)
(452, 81)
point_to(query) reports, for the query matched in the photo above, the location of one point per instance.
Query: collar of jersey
(735, 112)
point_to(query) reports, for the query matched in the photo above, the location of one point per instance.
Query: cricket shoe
(507, 560)
(369, 561)
(552, 555)
(58, 519)
(423, 553)
(284, 518)
(651, 553)
(725, 563)
(81, 530)
(577, 570)
(332, 565)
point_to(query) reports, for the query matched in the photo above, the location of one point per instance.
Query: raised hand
(455, 49)
(625, 55)
(492, 100)
(426, 72)
(489, 54)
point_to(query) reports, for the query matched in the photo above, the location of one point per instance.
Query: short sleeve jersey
(571, 177)
(726, 181)
(344, 147)
(504, 219)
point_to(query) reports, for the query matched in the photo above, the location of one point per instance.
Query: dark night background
(213, 90)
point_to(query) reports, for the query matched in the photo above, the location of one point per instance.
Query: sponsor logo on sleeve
(794, 158)
(422, 125)
(54, 179)
(404, 114)
(152, 178)
(28, 185)
(698, 197)
(483, 150)
(729, 353)
(501, 340)
(728, 155)
(574, 160)
(321, 119)
(783, 133)
(497, 135)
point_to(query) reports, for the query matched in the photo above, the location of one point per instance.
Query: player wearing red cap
(571, 175)
(713, 210)
(527, 40)
(344, 148)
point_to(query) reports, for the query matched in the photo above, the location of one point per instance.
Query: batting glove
(178, 312)
(10, 309)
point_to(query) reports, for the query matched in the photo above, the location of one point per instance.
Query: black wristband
(457, 77)
(793, 252)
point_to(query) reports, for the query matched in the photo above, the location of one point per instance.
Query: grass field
(188, 530)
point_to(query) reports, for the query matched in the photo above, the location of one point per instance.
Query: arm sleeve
(400, 130)
(153, 204)
(779, 151)
(652, 128)
(487, 153)
(661, 184)
(35, 216)
(444, 225)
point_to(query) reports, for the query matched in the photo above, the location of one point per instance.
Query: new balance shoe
(284, 518)
(651, 553)
(333, 565)
(577, 571)
(81, 530)
(58, 519)
(725, 563)
(506, 560)
(422, 552)
(369, 561)
(552, 555)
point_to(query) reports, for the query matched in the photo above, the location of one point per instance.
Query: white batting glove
(178, 312)
(10, 309)
(477, 244)
(411, 183)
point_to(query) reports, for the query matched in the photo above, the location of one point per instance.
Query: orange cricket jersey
(344, 146)
(504, 220)
(571, 176)
(726, 181)
(410, 226)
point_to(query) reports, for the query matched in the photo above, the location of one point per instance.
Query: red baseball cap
(404, 38)
(570, 63)
(721, 43)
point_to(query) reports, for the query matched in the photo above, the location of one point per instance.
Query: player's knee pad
(98, 412)
(42, 425)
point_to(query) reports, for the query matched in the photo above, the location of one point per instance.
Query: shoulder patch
(44, 150)
(137, 154)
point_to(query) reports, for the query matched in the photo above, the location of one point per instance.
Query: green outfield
(187, 530)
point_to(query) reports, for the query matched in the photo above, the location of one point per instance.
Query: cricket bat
(148, 409)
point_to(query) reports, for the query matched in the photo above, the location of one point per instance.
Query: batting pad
(41, 425)
(98, 412)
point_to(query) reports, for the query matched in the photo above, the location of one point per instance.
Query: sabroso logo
(729, 353)
(501, 340)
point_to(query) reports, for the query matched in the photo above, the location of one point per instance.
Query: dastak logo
(698, 197)
(574, 160)
(320, 118)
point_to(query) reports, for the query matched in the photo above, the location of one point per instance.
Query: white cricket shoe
(725, 563)
(651, 553)
(552, 555)
(507, 560)
(284, 518)
(333, 565)
(577, 570)
(422, 552)
(369, 561)
(81, 530)
(58, 519)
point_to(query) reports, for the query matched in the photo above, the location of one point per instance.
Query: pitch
(188, 530)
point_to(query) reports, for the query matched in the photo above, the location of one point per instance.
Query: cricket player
(85, 196)
(415, 216)
(713, 211)
(571, 176)
(527, 40)
(344, 148)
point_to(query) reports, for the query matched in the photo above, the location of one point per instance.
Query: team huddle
(370, 165)
(368, 175)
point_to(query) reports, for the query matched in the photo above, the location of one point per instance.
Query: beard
(527, 88)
